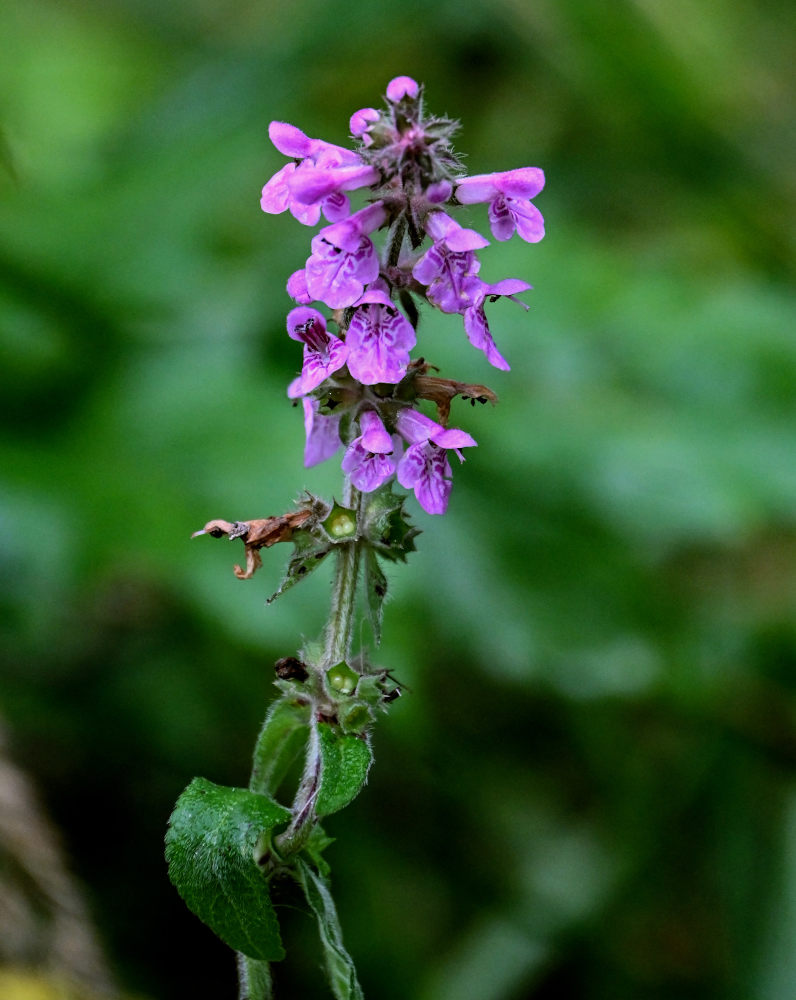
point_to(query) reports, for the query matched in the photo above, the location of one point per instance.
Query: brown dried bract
(259, 533)
(442, 390)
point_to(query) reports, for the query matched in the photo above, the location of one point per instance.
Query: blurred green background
(590, 791)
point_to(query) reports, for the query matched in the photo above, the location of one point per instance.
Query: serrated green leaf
(281, 739)
(210, 852)
(339, 965)
(345, 762)
(385, 525)
(307, 556)
(376, 585)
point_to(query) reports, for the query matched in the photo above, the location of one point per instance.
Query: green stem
(340, 626)
(339, 632)
(396, 241)
(254, 978)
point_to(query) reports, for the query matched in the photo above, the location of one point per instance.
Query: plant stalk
(340, 626)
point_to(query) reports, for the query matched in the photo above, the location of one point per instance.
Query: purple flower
(451, 259)
(361, 122)
(316, 185)
(508, 194)
(379, 338)
(417, 428)
(323, 353)
(367, 459)
(297, 287)
(424, 466)
(475, 323)
(400, 87)
(323, 433)
(444, 272)
(317, 181)
(344, 259)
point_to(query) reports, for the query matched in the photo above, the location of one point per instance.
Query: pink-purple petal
(400, 87)
(323, 434)
(379, 338)
(289, 140)
(529, 221)
(374, 434)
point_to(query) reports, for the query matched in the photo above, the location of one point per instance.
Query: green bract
(345, 762)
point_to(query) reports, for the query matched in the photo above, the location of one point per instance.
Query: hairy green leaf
(210, 849)
(345, 761)
(339, 965)
(283, 735)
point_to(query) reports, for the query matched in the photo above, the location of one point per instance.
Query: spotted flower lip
(324, 353)
(379, 338)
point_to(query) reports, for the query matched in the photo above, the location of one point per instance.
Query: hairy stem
(254, 978)
(396, 241)
(339, 628)
(339, 631)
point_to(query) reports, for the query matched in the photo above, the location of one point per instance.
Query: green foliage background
(589, 792)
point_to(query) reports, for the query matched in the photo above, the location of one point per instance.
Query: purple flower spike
(323, 353)
(343, 259)
(508, 193)
(379, 338)
(475, 322)
(323, 433)
(367, 459)
(400, 87)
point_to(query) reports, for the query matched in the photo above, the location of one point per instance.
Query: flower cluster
(358, 384)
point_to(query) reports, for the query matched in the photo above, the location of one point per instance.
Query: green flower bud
(341, 523)
(342, 678)
(355, 718)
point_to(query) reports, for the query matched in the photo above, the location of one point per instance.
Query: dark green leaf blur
(588, 789)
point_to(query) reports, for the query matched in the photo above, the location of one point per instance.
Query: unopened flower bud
(400, 87)
(341, 678)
